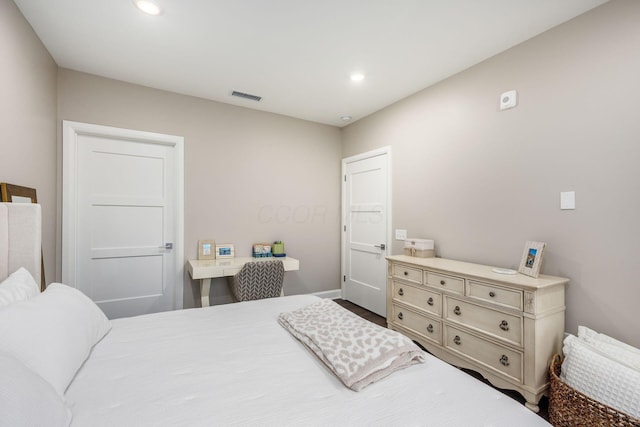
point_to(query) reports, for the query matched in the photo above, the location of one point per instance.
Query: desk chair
(258, 280)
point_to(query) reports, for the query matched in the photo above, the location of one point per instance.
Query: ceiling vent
(246, 95)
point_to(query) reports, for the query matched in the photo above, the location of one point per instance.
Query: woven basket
(568, 407)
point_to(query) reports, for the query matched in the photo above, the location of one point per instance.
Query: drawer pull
(457, 340)
(492, 294)
(430, 328)
(430, 301)
(400, 291)
(504, 325)
(504, 360)
(457, 310)
(400, 315)
(406, 273)
(442, 282)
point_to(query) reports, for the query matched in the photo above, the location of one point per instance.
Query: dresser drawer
(505, 326)
(511, 298)
(422, 325)
(443, 282)
(421, 298)
(409, 274)
(495, 357)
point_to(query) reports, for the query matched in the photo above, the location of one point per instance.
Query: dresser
(506, 327)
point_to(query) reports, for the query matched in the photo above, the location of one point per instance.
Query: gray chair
(258, 280)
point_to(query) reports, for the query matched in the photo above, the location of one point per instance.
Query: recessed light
(345, 118)
(357, 77)
(148, 7)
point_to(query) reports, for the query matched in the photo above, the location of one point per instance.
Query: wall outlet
(401, 234)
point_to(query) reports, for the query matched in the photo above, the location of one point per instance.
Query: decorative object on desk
(421, 248)
(261, 250)
(225, 250)
(532, 258)
(17, 194)
(278, 249)
(206, 249)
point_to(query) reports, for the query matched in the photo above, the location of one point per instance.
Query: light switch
(567, 200)
(401, 234)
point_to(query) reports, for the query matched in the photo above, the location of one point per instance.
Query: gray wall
(250, 176)
(28, 119)
(482, 182)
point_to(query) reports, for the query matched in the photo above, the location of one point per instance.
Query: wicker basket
(569, 407)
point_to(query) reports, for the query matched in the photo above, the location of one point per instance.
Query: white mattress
(235, 365)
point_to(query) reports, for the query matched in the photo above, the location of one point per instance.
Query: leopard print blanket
(357, 351)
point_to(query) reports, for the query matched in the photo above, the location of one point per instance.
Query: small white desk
(205, 270)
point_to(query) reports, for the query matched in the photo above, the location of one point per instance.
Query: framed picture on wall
(532, 258)
(206, 249)
(18, 194)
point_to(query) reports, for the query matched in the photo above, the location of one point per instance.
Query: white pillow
(53, 333)
(28, 400)
(19, 286)
(593, 373)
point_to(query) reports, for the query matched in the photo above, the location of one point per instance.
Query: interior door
(125, 207)
(366, 230)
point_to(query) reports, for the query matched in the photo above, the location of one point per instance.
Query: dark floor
(379, 320)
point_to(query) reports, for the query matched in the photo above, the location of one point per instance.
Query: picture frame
(11, 193)
(532, 258)
(17, 194)
(206, 249)
(225, 250)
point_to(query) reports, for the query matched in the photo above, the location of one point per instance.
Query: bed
(236, 365)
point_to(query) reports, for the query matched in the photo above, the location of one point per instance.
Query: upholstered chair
(257, 280)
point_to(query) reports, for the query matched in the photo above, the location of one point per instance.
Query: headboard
(20, 238)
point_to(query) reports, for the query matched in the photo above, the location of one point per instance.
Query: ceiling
(297, 54)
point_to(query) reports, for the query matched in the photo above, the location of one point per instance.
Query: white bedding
(235, 365)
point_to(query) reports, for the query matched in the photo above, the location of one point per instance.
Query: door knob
(166, 246)
(382, 246)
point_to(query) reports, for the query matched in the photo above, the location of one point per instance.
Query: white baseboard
(333, 294)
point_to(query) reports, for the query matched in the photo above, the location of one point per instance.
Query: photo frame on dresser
(12, 193)
(532, 258)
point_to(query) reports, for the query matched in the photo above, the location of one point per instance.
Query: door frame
(70, 132)
(343, 240)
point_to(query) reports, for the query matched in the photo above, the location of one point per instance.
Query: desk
(205, 270)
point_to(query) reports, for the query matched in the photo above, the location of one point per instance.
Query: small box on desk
(261, 250)
(421, 248)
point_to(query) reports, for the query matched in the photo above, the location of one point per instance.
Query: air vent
(246, 95)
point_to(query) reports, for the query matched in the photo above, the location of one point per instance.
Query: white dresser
(506, 327)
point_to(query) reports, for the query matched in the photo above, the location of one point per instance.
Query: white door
(122, 205)
(366, 205)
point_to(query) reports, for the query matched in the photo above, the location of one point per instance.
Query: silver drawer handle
(457, 311)
(492, 294)
(457, 340)
(430, 328)
(400, 292)
(400, 316)
(504, 360)
(430, 301)
(504, 325)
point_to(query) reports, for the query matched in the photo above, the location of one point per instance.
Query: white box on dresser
(506, 327)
